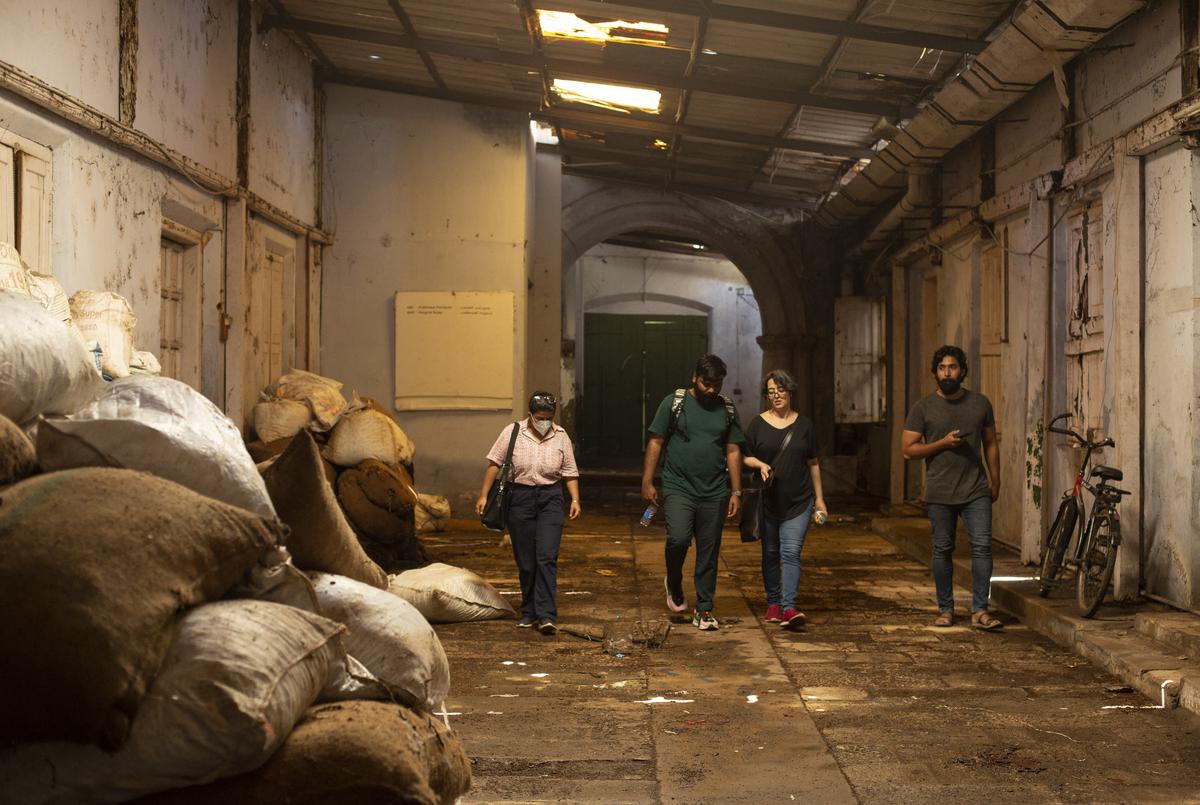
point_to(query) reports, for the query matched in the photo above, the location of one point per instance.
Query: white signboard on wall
(454, 350)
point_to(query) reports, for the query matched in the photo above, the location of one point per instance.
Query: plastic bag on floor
(164, 427)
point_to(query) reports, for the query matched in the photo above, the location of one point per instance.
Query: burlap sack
(107, 318)
(432, 513)
(280, 419)
(261, 451)
(368, 433)
(237, 678)
(17, 457)
(379, 500)
(389, 637)
(322, 395)
(321, 539)
(366, 753)
(448, 594)
(94, 565)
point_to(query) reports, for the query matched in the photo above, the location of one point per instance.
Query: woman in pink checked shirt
(543, 460)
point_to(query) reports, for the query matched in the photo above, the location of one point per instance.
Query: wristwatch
(737, 493)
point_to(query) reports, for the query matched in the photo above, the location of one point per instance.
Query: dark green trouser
(703, 518)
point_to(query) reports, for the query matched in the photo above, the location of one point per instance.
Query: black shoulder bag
(750, 524)
(495, 511)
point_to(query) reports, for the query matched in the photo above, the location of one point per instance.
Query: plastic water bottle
(648, 515)
(820, 517)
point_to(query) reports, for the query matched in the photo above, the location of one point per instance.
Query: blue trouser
(782, 541)
(704, 519)
(977, 514)
(535, 524)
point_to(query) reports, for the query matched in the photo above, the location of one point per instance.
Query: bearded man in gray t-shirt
(954, 431)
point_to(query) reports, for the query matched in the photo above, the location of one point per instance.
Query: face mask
(949, 385)
(542, 426)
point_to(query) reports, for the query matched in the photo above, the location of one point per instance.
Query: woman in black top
(791, 496)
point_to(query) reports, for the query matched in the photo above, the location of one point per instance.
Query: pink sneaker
(792, 619)
(774, 614)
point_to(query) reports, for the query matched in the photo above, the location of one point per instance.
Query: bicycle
(1096, 538)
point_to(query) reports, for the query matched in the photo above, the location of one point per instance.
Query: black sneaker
(548, 626)
(526, 622)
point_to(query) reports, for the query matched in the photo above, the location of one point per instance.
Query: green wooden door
(631, 362)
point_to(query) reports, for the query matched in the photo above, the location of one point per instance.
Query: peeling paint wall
(425, 195)
(187, 66)
(282, 119)
(610, 279)
(1150, 231)
(71, 45)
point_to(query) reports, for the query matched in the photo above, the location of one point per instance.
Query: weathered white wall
(611, 279)
(1149, 230)
(282, 121)
(71, 45)
(1172, 407)
(425, 195)
(187, 69)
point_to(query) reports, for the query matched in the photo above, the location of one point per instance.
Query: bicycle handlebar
(1068, 432)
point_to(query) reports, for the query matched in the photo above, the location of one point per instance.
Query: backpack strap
(731, 416)
(673, 424)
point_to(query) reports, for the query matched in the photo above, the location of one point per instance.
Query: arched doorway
(595, 212)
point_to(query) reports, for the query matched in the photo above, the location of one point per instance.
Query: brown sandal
(985, 621)
(944, 619)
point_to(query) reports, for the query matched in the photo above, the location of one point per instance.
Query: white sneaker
(674, 604)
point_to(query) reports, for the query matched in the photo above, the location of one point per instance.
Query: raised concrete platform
(1151, 648)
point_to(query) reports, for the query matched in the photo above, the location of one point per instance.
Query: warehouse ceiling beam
(686, 96)
(787, 21)
(590, 120)
(411, 31)
(697, 190)
(636, 75)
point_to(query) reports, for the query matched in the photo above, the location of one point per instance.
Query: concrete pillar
(543, 365)
(1038, 288)
(1123, 355)
(898, 371)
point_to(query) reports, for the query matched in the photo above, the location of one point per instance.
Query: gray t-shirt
(956, 476)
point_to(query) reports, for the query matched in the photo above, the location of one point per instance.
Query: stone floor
(868, 704)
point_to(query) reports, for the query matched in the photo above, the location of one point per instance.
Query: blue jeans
(782, 541)
(944, 518)
(535, 524)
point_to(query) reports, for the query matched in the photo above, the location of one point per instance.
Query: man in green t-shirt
(702, 480)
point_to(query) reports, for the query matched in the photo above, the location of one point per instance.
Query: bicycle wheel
(1096, 568)
(1056, 545)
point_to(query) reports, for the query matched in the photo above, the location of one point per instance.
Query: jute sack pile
(107, 318)
(17, 458)
(432, 513)
(368, 433)
(320, 539)
(13, 276)
(448, 594)
(237, 677)
(366, 753)
(94, 565)
(378, 500)
(322, 396)
(164, 427)
(389, 637)
(280, 419)
(44, 369)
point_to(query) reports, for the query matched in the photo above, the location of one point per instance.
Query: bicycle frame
(1083, 518)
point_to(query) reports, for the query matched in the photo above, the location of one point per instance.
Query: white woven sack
(44, 369)
(432, 513)
(107, 318)
(164, 427)
(144, 363)
(13, 276)
(236, 680)
(322, 395)
(280, 419)
(365, 434)
(389, 637)
(448, 594)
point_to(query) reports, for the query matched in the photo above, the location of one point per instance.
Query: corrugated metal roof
(482, 50)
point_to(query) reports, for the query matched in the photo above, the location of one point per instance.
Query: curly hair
(951, 351)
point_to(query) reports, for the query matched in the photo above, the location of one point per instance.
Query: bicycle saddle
(1107, 473)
